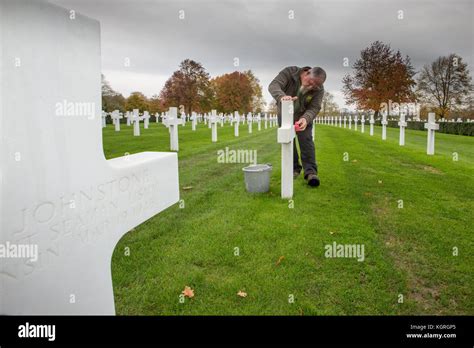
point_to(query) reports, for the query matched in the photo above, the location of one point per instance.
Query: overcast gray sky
(264, 37)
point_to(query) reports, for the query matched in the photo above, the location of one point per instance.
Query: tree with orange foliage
(380, 75)
(189, 86)
(233, 92)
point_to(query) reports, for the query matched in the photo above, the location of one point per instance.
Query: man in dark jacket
(305, 87)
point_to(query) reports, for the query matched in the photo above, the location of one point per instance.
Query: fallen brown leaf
(242, 293)
(280, 259)
(188, 292)
(187, 187)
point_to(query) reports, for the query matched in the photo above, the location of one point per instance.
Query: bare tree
(272, 107)
(328, 105)
(445, 82)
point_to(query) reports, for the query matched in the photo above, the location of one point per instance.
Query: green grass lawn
(408, 251)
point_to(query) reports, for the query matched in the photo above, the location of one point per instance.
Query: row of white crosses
(132, 117)
(171, 120)
(213, 119)
(431, 126)
(343, 121)
(249, 120)
(458, 120)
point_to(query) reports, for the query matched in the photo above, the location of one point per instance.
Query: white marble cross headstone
(345, 119)
(104, 121)
(172, 122)
(128, 116)
(402, 125)
(164, 117)
(136, 122)
(431, 126)
(146, 119)
(384, 126)
(285, 136)
(356, 119)
(116, 118)
(193, 120)
(362, 124)
(64, 199)
(350, 122)
(213, 122)
(236, 123)
(249, 121)
(371, 122)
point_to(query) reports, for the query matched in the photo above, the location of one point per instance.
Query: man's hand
(302, 124)
(288, 97)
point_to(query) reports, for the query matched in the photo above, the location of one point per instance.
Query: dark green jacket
(286, 83)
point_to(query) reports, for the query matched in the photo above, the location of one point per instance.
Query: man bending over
(305, 87)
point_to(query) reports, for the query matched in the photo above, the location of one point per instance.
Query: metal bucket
(257, 177)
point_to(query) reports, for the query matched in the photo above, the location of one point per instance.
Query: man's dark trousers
(308, 157)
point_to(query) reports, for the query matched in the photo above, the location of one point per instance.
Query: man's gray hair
(318, 73)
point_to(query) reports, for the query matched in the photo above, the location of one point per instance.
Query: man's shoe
(295, 174)
(313, 180)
